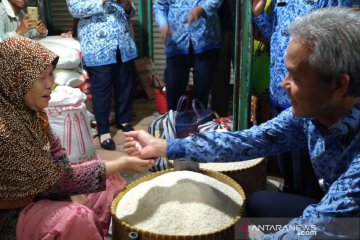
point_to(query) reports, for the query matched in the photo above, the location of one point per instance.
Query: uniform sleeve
(342, 3)
(161, 10)
(272, 137)
(86, 8)
(335, 217)
(266, 22)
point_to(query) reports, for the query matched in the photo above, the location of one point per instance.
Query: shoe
(108, 144)
(126, 127)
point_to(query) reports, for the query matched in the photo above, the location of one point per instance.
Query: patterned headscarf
(26, 165)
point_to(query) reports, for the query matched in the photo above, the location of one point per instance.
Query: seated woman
(14, 21)
(36, 180)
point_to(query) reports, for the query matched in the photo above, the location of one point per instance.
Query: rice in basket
(180, 203)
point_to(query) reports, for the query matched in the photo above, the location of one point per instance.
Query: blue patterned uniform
(102, 29)
(274, 28)
(204, 34)
(334, 152)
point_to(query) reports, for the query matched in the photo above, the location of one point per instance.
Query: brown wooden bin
(121, 229)
(251, 178)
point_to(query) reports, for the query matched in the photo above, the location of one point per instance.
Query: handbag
(163, 127)
(223, 124)
(189, 118)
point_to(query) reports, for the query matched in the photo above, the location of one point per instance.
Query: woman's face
(38, 96)
(18, 3)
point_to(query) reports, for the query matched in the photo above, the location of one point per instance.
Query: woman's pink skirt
(59, 220)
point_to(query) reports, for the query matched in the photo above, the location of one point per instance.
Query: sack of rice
(250, 174)
(172, 204)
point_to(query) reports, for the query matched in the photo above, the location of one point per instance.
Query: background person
(191, 30)
(221, 87)
(323, 54)
(295, 166)
(108, 48)
(37, 180)
(14, 21)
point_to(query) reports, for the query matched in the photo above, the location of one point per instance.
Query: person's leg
(124, 81)
(57, 220)
(220, 91)
(101, 90)
(305, 181)
(65, 220)
(277, 207)
(204, 66)
(176, 78)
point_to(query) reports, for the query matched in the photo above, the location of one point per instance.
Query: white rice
(180, 203)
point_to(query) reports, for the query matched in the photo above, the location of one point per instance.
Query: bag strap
(196, 102)
(180, 105)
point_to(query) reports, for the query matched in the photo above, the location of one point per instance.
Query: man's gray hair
(333, 33)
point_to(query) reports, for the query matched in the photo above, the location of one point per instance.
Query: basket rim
(238, 170)
(149, 234)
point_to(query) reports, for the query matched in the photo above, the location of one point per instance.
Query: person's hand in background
(258, 7)
(41, 28)
(165, 32)
(195, 14)
(25, 25)
(127, 4)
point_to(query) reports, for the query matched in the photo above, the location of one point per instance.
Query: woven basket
(121, 229)
(251, 178)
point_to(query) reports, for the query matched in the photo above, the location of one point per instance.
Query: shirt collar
(9, 10)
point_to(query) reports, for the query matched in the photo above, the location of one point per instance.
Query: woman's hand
(41, 28)
(144, 145)
(135, 164)
(195, 14)
(25, 25)
(127, 163)
(258, 7)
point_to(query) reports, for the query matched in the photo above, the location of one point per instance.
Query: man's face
(38, 96)
(309, 95)
(19, 3)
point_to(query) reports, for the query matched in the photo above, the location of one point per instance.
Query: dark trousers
(177, 76)
(104, 80)
(221, 88)
(277, 207)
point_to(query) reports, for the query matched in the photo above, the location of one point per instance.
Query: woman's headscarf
(26, 165)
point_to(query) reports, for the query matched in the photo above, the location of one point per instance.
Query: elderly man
(323, 84)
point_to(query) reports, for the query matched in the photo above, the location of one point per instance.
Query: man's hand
(144, 145)
(195, 14)
(25, 25)
(258, 7)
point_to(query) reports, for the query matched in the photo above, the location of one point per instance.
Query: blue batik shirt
(274, 27)
(334, 153)
(203, 34)
(103, 28)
